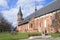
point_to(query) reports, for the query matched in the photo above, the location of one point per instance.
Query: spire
(20, 12)
(35, 7)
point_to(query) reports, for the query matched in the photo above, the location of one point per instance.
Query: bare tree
(4, 24)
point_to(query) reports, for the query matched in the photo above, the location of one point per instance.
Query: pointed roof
(20, 12)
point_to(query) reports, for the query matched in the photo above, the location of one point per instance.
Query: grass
(18, 36)
(55, 35)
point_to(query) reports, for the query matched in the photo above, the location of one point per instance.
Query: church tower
(20, 15)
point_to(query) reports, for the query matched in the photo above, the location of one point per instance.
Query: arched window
(26, 28)
(31, 25)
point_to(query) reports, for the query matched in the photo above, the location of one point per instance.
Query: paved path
(41, 38)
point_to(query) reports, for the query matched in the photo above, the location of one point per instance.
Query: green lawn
(17, 36)
(55, 35)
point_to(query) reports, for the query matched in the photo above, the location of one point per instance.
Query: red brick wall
(38, 24)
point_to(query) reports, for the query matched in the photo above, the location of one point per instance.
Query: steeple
(20, 12)
(35, 8)
(20, 16)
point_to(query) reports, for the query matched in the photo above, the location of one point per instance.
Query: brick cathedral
(40, 20)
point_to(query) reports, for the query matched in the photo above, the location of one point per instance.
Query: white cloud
(3, 3)
(11, 15)
(27, 10)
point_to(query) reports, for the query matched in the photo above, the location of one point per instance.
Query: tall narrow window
(31, 25)
(26, 29)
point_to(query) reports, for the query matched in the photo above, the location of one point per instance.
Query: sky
(10, 8)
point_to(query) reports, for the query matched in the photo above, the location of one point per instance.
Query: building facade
(38, 21)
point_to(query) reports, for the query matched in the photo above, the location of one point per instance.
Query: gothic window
(31, 25)
(40, 24)
(26, 28)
